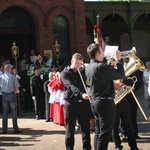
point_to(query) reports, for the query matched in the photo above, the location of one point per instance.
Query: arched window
(61, 34)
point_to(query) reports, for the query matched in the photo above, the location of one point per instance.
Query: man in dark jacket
(26, 89)
(77, 105)
(38, 94)
(100, 76)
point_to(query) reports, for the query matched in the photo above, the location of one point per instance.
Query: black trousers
(39, 104)
(133, 109)
(72, 112)
(104, 112)
(28, 101)
(123, 113)
(47, 106)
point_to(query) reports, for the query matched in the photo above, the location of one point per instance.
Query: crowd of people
(61, 96)
(27, 88)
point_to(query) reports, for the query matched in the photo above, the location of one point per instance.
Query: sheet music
(110, 51)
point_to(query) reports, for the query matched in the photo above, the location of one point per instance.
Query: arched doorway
(16, 24)
(141, 36)
(113, 27)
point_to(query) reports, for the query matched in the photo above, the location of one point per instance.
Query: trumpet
(124, 54)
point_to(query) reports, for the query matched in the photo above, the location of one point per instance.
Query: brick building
(36, 24)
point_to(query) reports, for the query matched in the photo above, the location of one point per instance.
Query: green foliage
(43, 70)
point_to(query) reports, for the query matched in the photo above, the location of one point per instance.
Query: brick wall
(43, 14)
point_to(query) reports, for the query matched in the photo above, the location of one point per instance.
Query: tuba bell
(125, 54)
(133, 65)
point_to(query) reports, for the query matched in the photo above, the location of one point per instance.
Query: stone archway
(141, 35)
(114, 26)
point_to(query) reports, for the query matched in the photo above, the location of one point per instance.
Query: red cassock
(57, 107)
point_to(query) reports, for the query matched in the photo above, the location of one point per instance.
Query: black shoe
(120, 147)
(17, 132)
(135, 148)
(47, 120)
(138, 137)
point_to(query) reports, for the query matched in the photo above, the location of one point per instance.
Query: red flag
(98, 34)
(98, 38)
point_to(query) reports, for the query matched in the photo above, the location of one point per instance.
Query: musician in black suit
(100, 76)
(77, 105)
(133, 104)
(124, 114)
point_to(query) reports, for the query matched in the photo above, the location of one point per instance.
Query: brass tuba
(133, 65)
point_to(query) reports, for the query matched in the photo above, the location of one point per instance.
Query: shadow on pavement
(7, 141)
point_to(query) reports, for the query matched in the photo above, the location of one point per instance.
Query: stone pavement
(41, 135)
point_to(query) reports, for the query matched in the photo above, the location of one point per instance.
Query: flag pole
(98, 32)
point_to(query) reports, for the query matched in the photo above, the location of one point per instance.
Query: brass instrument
(125, 89)
(133, 65)
(124, 54)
